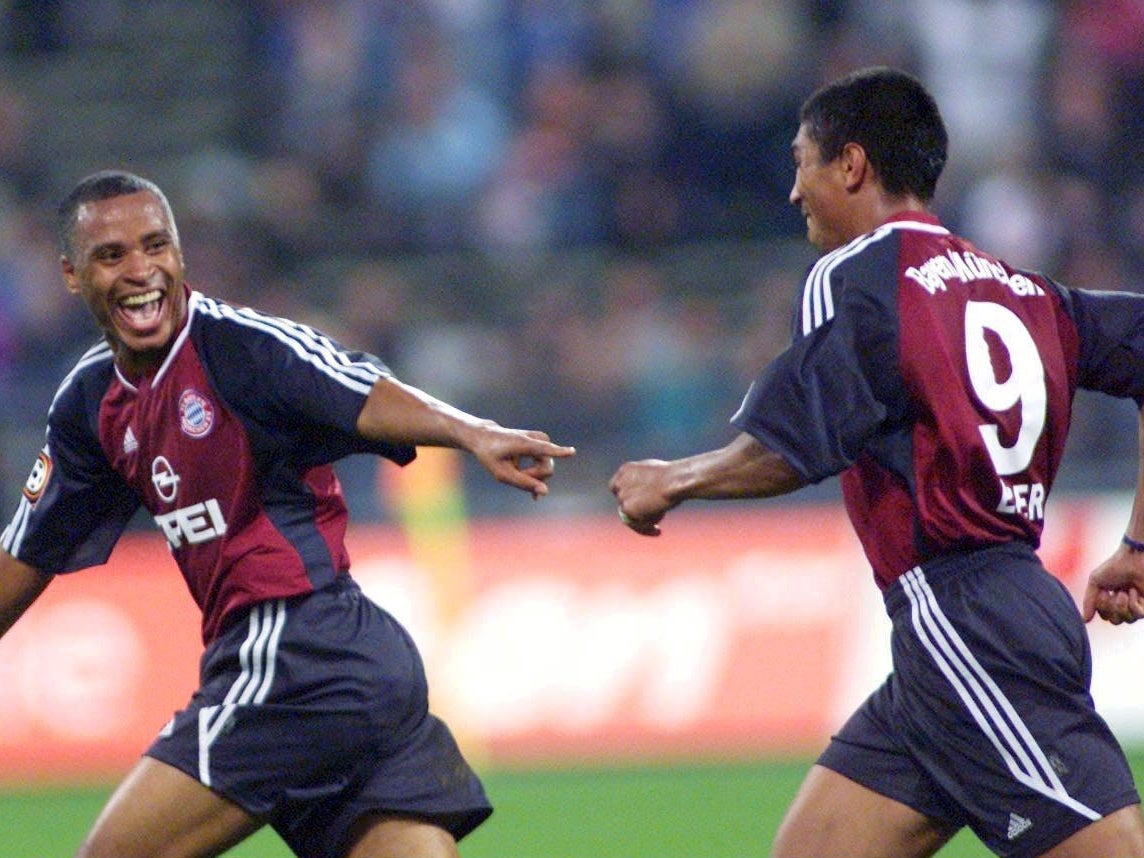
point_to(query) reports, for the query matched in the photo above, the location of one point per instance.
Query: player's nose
(137, 265)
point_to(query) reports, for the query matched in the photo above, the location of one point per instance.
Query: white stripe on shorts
(257, 656)
(992, 711)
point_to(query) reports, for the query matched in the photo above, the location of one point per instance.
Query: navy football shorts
(987, 720)
(314, 711)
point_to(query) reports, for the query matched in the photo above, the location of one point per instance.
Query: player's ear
(71, 279)
(855, 166)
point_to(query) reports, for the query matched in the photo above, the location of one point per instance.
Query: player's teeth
(140, 300)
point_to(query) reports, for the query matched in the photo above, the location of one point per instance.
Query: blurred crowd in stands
(563, 213)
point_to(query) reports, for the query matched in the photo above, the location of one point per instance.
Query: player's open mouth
(142, 311)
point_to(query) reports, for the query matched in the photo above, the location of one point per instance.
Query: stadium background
(560, 213)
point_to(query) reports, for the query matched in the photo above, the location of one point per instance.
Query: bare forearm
(646, 490)
(742, 469)
(402, 414)
(1135, 528)
(20, 586)
(1115, 588)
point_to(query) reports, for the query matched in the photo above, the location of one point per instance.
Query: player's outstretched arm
(1116, 587)
(402, 414)
(20, 586)
(647, 490)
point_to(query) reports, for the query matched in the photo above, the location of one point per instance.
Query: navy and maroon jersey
(938, 382)
(229, 447)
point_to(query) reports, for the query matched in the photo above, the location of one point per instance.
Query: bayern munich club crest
(196, 414)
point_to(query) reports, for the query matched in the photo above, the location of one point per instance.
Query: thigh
(1118, 835)
(380, 836)
(159, 812)
(833, 815)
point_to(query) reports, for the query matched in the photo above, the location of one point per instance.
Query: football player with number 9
(936, 381)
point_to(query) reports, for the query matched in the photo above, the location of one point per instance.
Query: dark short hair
(892, 116)
(103, 185)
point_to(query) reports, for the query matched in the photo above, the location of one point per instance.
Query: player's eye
(108, 254)
(158, 244)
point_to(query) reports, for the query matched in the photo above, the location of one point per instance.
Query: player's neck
(135, 366)
(888, 208)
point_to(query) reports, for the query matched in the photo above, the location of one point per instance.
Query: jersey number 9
(1025, 386)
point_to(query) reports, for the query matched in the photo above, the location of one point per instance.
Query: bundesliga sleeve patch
(38, 479)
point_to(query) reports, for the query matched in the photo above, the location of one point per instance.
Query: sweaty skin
(127, 265)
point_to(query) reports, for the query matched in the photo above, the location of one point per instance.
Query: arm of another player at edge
(745, 468)
(20, 586)
(1116, 587)
(402, 414)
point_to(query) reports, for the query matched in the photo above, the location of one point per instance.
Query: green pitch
(726, 810)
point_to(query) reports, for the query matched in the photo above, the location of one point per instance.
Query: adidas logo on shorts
(1018, 825)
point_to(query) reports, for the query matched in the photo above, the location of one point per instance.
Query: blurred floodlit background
(568, 214)
(562, 214)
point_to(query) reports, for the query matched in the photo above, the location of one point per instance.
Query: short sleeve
(815, 404)
(824, 399)
(293, 381)
(1110, 328)
(74, 507)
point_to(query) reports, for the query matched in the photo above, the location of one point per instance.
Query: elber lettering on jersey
(200, 522)
(1027, 499)
(934, 274)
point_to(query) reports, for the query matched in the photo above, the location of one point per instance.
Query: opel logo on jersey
(196, 414)
(197, 523)
(164, 479)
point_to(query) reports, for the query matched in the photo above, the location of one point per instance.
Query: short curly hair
(103, 185)
(892, 116)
